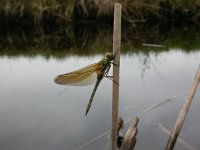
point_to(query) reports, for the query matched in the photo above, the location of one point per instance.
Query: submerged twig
(154, 106)
(183, 142)
(92, 140)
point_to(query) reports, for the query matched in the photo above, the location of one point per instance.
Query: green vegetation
(71, 11)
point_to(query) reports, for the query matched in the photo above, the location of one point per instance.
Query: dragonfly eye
(109, 56)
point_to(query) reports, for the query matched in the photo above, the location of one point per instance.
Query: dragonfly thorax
(104, 64)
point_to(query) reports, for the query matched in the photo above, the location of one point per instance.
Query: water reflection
(34, 115)
(84, 39)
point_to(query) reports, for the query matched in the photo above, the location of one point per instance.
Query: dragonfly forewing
(81, 77)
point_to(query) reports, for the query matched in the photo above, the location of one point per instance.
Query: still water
(37, 114)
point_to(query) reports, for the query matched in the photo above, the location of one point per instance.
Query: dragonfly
(88, 75)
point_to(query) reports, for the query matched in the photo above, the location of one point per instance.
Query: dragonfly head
(109, 56)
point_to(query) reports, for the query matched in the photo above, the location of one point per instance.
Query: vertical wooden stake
(116, 52)
(183, 112)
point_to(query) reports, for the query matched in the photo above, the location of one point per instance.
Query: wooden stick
(180, 140)
(116, 52)
(130, 138)
(183, 112)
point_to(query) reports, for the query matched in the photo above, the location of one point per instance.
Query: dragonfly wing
(91, 79)
(81, 77)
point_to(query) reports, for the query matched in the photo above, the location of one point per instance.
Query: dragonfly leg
(114, 64)
(111, 78)
(107, 70)
(114, 56)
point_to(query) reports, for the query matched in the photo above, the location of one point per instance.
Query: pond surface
(37, 114)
